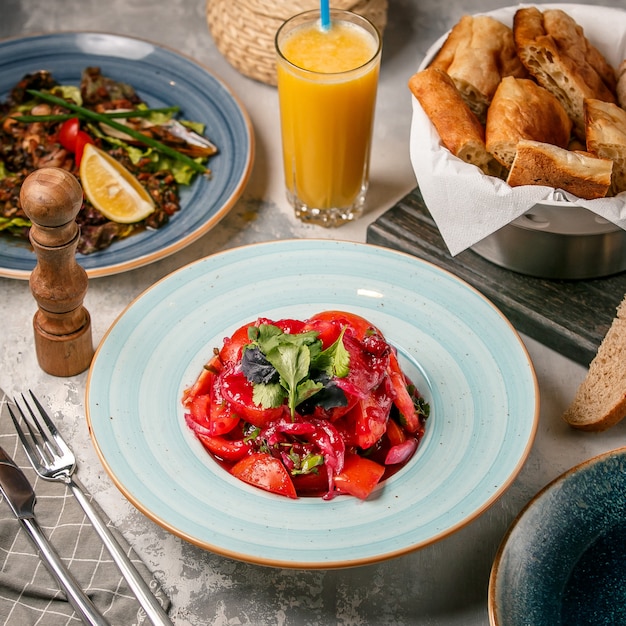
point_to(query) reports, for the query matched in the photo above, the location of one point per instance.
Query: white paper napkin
(467, 205)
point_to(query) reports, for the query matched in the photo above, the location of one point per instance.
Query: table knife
(20, 496)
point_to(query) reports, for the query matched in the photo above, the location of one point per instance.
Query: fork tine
(33, 452)
(60, 442)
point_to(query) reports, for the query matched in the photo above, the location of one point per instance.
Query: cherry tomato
(237, 391)
(359, 476)
(82, 139)
(266, 472)
(67, 133)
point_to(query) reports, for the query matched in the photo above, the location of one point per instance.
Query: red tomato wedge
(82, 139)
(266, 472)
(231, 350)
(237, 391)
(359, 325)
(224, 448)
(359, 476)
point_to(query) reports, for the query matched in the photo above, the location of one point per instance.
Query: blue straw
(324, 14)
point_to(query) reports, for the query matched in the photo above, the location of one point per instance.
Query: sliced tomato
(231, 350)
(266, 472)
(204, 382)
(287, 325)
(237, 391)
(367, 421)
(311, 484)
(395, 433)
(361, 327)
(82, 139)
(359, 476)
(224, 448)
(215, 415)
(68, 132)
(402, 398)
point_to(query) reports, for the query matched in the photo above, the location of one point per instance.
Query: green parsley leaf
(294, 356)
(335, 360)
(269, 395)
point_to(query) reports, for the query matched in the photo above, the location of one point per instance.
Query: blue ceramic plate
(163, 78)
(464, 356)
(563, 561)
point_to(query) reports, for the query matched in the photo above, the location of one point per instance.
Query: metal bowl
(558, 240)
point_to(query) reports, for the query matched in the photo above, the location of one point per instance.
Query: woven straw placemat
(244, 30)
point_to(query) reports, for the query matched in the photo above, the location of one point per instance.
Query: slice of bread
(478, 52)
(458, 127)
(605, 125)
(522, 109)
(538, 163)
(555, 51)
(600, 401)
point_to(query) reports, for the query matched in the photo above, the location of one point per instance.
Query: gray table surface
(444, 584)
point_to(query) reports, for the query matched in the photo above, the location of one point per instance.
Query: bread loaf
(538, 163)
(605, 124)
(478, 52)
(600, 401)
(621, 84)
(555, 51)
(458, 127)
(522, 109)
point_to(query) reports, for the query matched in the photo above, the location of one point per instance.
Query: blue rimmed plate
(163, 78)
(464, 356)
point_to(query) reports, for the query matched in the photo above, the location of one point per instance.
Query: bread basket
(244, 30)
(543, 234)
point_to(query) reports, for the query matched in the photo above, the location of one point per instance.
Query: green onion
(61, 117)
(101, 118)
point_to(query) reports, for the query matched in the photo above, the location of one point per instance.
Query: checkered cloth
(29, 594)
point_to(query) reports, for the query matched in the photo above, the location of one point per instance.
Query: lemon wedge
(112, 189)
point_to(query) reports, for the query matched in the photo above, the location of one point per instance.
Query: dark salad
(43, 123)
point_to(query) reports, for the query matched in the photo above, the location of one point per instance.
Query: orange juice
(327, 83)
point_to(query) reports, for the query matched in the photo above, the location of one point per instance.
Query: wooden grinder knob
(51, 198)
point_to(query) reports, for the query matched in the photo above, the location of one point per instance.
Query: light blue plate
(465, 357)
(563, 561)
(161, 77)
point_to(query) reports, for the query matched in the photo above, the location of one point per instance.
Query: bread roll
(538, 163)
(621, 84)
(554, 50)
(606, 137)
(458, 127)
(522, 109)
(600, 401)
(477, 54)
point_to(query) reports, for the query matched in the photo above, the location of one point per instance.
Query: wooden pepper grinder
(51, 198)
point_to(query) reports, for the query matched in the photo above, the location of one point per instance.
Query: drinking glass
(327, 83)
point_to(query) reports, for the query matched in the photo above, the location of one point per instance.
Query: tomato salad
(316, 407)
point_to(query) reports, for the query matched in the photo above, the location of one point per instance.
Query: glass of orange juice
(327, 82)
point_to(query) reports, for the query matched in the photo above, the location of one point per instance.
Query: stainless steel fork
(53, 459)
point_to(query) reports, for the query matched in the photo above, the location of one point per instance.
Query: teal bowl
(563, 560)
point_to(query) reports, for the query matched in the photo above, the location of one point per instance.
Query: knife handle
(75, 595)
(156, 613)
